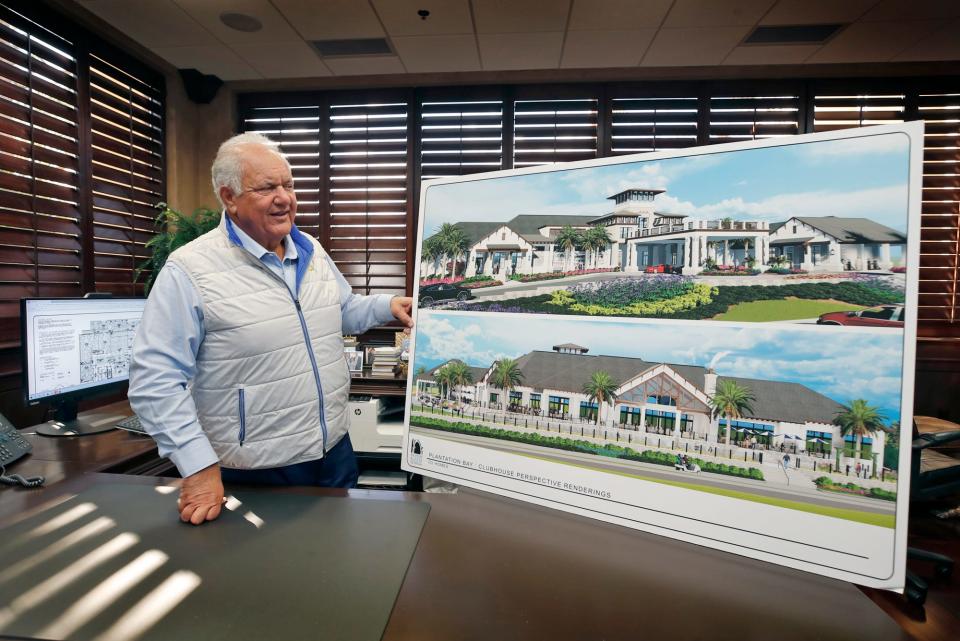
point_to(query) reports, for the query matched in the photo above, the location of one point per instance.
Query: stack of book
(384, 360)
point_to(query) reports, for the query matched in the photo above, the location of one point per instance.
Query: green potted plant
(174, 230)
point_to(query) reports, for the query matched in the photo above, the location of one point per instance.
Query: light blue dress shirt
(164, 359)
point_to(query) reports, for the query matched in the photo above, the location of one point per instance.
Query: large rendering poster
(712, 344)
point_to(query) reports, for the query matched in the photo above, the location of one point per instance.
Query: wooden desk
(492, 568)
(67, 457)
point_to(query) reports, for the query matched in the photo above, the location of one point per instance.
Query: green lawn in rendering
(783, 310)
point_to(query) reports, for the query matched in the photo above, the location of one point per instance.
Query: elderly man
(238, 370)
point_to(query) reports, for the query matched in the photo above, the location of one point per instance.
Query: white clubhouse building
(664, 398)
(641, 238)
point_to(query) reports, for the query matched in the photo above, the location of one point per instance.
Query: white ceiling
(491, 35)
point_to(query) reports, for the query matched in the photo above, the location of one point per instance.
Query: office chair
(933, 475)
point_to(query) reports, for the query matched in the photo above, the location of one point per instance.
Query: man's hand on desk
(201, 496)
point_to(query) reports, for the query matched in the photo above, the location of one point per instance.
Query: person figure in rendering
(238, 370)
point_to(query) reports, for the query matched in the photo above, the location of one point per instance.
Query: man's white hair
(227, 169)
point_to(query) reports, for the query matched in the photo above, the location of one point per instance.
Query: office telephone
(12, 447)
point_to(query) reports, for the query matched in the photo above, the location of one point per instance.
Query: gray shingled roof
(524, 224)
(793, 402)
(774, 400)
(476, 372)
(854, 230)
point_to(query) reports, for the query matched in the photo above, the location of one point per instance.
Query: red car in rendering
(883, 316)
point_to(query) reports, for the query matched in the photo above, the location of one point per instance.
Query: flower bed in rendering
(533, 278)
(784, 271)
(470, 283)
(576, 445)
(829, 485)
(721, 270)
(647, 296)
(671, 296)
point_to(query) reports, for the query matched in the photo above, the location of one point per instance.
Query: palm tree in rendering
(459, 374)
(442, 379)
(506, 375)
(568, 239)
(858, 419)
(732, 401)
(601, 388)
(453, 243)
(595, 240)
(431, 251)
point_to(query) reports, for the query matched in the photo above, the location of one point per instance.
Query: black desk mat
(277, 566)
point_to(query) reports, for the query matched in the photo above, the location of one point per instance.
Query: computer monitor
(75, 348)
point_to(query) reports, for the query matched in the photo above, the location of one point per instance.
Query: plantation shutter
(653, 124)
(842, 111)
(737, 118)
(367, 195)
(40, 203)
(460, 138)
(297, 130)
(548, 131)
(939, 236)
(126, 122)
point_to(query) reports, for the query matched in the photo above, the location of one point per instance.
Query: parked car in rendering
(883, 316)
(443, 291)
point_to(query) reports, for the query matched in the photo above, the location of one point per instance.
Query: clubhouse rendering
(641, 239)
(662, 398)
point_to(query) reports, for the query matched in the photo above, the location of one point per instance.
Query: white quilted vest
(261, 399)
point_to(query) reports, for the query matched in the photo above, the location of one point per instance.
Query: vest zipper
(316, 370)
(243, 417)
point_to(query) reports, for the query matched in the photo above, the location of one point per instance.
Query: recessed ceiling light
(241, 22)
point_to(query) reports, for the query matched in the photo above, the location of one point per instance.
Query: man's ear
(229, 200)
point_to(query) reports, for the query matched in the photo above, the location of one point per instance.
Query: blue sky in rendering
(862, 177)
(841, 364)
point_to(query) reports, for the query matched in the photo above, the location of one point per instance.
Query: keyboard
(131, 424)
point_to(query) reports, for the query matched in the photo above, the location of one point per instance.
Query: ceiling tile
(331, 19)
(770, 55)
(446, 17)
(520, 50)
(519, 16)
(873, 41)
(155, 23)
(364, 65)
(425, 54)
(913, 10)
(208, 12)
(294, 59)
(605, 48)
(693, 46)
(216, 60)
(793, 12)
(602, 15)
(942, 44)
(710, 13)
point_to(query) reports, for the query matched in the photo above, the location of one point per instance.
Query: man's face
(266, 205)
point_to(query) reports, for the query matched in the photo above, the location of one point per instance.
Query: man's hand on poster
(400, 307)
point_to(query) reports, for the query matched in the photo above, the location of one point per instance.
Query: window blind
(546, 131)
(81, 162)
(653, 124)
(367, 194)
(939, 236)
(460, 137)
(126, 122)
(738, 118)
(40, 201)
